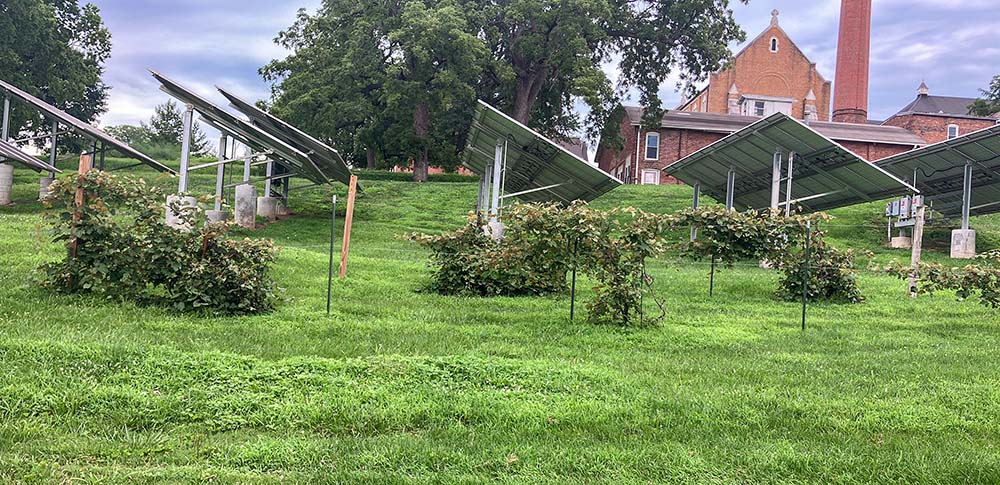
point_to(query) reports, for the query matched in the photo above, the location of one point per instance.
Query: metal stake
(329, 274)
(572, 288)
(805, 275)
(694, 205)
(711, 279)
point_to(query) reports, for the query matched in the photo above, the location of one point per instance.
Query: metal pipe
(220, 172)
(966, 196)
(329, 274)
(776, 180)
(531, 191)
(694, 205)
(788, 186)
(268, 172)
(188, 118)
(226, 161)
(39, 137)
(5, 126)
(497, 172)
(730, 188)
(53, 144)
(276, 177)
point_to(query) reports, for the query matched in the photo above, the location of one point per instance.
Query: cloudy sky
(954, 45)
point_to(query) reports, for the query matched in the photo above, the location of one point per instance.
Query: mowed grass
(398, 385)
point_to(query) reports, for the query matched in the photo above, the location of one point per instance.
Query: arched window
(774, 44)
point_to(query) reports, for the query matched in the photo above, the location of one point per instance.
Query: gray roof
(576, 146)
(939, 105)
(724, 123)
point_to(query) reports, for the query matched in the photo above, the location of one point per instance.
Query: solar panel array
(324, 156)
(532, 161)
(939, 172)
(291, 157)
(14, 154)
(82, 128)
(825, 175)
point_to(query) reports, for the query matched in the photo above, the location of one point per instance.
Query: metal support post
(479, 196)
(694, 205)
(966, 196)
(329, 274)
(916, 248)
(220, 172)
(188, 119)
(53, 143)
(498, 160)
(730, 188)
(776, 180)
(805, 274)
(268, 172)
(788, 184)
(5, 127)
(100, 163)
(246, 170)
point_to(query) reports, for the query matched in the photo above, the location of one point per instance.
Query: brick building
(771, 74)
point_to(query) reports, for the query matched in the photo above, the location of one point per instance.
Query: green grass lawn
(399, 385)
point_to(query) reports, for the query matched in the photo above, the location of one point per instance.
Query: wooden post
(347, 226)
(918, 240)
(84, 167)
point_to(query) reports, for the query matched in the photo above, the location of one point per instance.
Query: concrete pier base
(6, 183)
(246, 206)
(494, 229)
(43, 187)
(174, 219)
(217, 215)
(901, 242)
(267, 207)
(963, 244)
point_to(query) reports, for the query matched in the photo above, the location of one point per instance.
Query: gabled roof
(575, 145)
(726, 124)
(951, 106)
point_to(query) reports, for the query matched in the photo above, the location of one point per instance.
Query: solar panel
(246, 133)
(825, 175)
(533, 163)
(14, 154)
(939, 172)
(324, 156)
(81, 127)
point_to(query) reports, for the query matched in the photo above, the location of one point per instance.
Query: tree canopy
(162, 135)
(989, 103)
(55, 50)
(386, 79)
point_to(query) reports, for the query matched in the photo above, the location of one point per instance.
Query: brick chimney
(850, 91)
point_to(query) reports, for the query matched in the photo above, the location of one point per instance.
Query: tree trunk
(528, 88)
(371, 161)
(421, 125)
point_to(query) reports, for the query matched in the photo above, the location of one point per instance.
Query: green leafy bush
(119, 247)
(833, 272)
(982, 278)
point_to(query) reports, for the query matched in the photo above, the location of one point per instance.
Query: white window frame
(656, 174)
(957, 131)
(773, 44)
(646, 147)
(759, 108)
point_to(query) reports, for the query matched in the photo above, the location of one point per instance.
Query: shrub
(832, 272)
(982, 278)
(119, 247)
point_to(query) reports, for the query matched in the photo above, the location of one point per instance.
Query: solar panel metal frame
(243, 131)
(12, 153)
(825, 174)
(532, 161)
(84, 129)
(326, 155)
(941, 172)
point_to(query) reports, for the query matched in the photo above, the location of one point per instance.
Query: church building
(771, 74)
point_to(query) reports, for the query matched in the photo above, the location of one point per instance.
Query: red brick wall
(874, 151)
(787, 73)
(934, 129)
(610, 160)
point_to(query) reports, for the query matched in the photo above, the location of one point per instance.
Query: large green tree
(356, 64)
(989, 103)
(380, 78)
(54, 49)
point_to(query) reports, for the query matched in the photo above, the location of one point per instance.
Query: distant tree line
(395, 81)
(161, 136)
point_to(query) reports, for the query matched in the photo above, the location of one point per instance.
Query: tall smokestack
(850, 92)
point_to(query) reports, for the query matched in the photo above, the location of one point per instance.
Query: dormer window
(952, 131)
(774, 44)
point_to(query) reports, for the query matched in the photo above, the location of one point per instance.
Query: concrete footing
(283, 209)
(267, 207)
(43, 187)
(174, 219)
(217, 215)
(963, 244)
(901, 242)
(6, 183)
(246, 206)
(494, 229)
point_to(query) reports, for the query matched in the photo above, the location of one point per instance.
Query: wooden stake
(918, 241)
(347, 226)
(84, 167)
